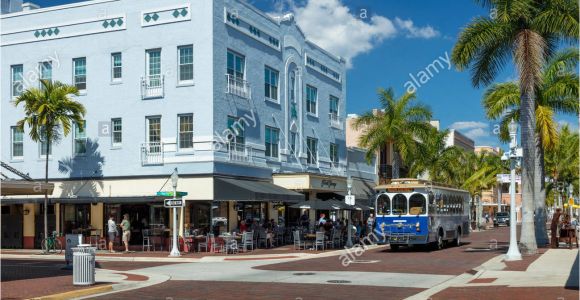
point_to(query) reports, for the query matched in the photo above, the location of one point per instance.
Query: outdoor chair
(319, 242)
(247, 241)
(204, 245)
(216, 247)
(279, 238)
(262, 238)
(298, 243)
(95, 237)
(147, 240)
(231, 245)
(336, 238)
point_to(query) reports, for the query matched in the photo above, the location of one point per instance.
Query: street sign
(173, 203)
(349, 199)
(170, 194)
(571, 201)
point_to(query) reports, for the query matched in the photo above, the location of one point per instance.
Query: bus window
(399, 204)
(417, 204)
(383, 205)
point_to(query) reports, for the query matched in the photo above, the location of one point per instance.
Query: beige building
(456, 138)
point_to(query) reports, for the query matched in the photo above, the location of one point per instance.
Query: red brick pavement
(503, 292)
(36, 287)
(208, 290)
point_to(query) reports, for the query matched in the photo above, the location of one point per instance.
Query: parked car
(501, 218)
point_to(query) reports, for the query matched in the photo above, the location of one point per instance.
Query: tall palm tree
(47, 111)
(527, 31)
(557, 93)
(398, 122)
(562, 160)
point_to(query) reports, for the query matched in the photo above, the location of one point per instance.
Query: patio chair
(319, 242)
(262, 238)
(336, 238)
(247, 241)
(298, 243)
(231, 245)
(279, 238)
(204, 244)
(147, 244)
(215, 246)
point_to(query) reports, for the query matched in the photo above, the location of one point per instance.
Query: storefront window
(199, 216)
(75, 217)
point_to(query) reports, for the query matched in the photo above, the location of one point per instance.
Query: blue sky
(387, 41)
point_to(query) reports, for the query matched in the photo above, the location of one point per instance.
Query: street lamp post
(175, 248)
(349, 228)
(513, 251)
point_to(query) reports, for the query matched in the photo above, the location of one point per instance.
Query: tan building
(456, 138)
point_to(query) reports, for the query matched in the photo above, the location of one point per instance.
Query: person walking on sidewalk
(111, 232)
(554, 228)
(126, 226)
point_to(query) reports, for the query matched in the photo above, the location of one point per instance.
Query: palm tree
(398, 122)
(557, 93)
(526, 31)
(48, 110)
(562, 160)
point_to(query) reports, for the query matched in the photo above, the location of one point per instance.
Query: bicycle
(51, 244)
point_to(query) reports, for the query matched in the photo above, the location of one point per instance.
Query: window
(383, 205)
(17, 80)
(116, 66)
(80, 73)
(117, 132)
(185, 63)
(399, 204)
(312, 147)
(236, 65)
(333, 105)
(271, 83)
(292, 143)
(272, 139)
(80, 138)
(17, 142)
(186, 131)
(417, 204)
(311, 97)
(334, 153)
(237, 128)
(45, 72)
(154, 68)
(292, 86)
(153, 129)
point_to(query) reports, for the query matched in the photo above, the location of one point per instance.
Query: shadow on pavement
(20, 269)
(572, 282)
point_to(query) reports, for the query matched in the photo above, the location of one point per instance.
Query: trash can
(84, 265)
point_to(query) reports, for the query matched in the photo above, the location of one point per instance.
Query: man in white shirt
(112, 232)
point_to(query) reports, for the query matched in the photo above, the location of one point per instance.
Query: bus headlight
(418, 226)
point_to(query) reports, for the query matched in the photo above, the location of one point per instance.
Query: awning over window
(87, 200)
(226, 189)
(21, 187)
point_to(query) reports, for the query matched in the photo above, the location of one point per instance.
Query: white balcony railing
(152, 153)
(152, 86)
(238, 87)
(239, 152)
(335, 121)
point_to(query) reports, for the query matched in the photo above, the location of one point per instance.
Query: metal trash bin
(84, 265)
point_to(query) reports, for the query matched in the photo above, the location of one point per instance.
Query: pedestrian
(554, 228)
(111, 232)
(322, 220)
(370, 223)
(486, 217)
(126, 227)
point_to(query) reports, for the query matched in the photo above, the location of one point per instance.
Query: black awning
(229, 189)
(86, 200)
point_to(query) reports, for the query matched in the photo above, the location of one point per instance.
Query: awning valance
(230, 189)
(86, 200)
(21, 187)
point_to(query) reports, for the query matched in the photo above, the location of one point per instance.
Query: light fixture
(26, 211)
(174, 179)
(513, 127)
(349, 182)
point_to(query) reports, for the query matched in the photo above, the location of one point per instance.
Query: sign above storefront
(170, 194)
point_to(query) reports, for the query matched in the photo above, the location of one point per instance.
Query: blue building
(243, 105)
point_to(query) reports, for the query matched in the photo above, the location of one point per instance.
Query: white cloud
(472, 129)
(334, 27)
(413, 31)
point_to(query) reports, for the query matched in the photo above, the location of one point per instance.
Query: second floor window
(117, 132)
(17, 80)
(334, 153)
(80, 73)
(292, 142)
(17, 143)
(44, 145)
(312, 151)
(116, 66)
(311, 99)
(271, 83)
(237, 128)
(186, 131)
(45, 71)
(333, 105)
(272, 139)
(236, 65)
(185, 68)
(80, 138)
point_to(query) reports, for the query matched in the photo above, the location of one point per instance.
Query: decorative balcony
(152, 153)
(239, 153)
(335, 121)
(238, 87)
(152, 86)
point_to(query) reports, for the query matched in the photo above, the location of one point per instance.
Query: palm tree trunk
(396, 164)
(46, 190)
(540, 217)
(528, 125)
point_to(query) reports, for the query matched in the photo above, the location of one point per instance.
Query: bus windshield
(417, 204)
(399, 204)
(383, 205)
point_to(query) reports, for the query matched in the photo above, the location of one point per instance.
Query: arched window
(399, 204)
(417, 204)
(383, 205)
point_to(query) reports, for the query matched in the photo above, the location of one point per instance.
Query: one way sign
(173, 202)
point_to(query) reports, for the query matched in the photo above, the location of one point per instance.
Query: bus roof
(409, 183)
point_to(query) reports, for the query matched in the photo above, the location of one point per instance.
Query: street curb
(77, 293)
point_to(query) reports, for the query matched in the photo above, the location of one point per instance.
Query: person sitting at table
(305, 220)
(243, 226)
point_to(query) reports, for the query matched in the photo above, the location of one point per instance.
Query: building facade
(231, 98)
(456, 138)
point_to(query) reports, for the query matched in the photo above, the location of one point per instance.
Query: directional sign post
(173, 203)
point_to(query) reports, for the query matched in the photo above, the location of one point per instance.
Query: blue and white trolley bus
(418, 212)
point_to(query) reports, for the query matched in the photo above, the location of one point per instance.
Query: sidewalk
(551, 274)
